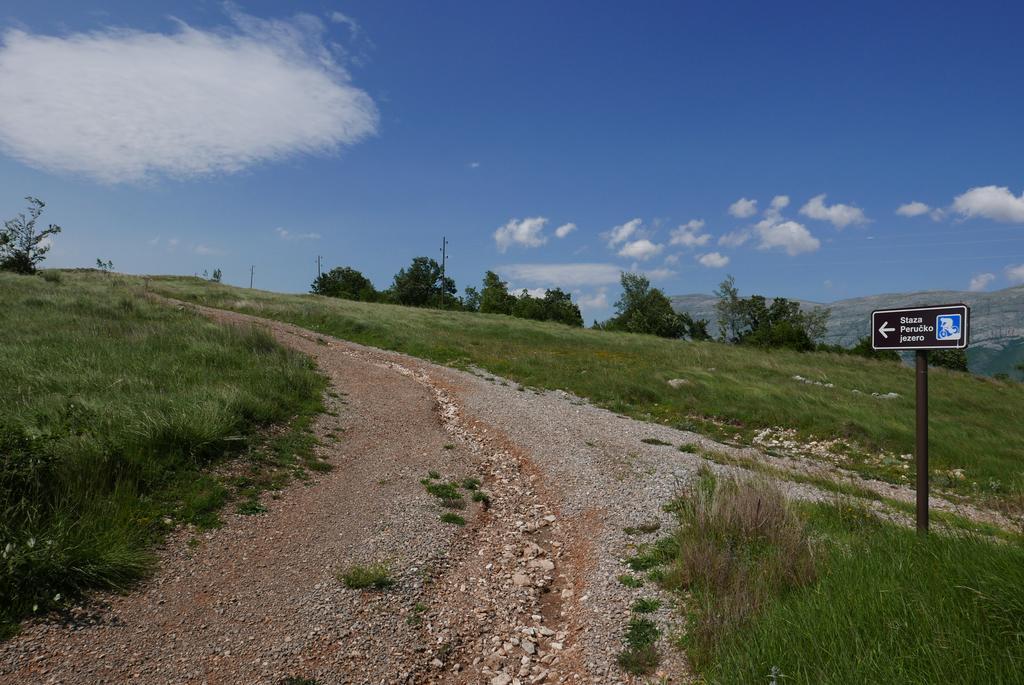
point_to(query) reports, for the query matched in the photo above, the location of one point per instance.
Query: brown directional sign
(921, 328)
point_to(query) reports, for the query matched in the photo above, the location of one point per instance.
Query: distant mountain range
(997, 320)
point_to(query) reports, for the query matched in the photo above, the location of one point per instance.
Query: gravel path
(526, 592)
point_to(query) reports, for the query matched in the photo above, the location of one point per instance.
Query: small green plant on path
(453, 518)
(640, 655)
(631, 580)
(646, 605)
(372, 576)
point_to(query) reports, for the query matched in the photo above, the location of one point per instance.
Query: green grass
(110, 409)
(640, 656)
(448, 493)
(453, 518)
(829, 593)
(373, 576)
(646, 605)
(977, 424)
(631, 581)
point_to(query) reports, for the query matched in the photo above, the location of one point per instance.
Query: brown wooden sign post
(921, 329)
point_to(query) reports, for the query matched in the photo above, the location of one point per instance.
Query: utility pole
(252, 270)
(444, 257)
(318, 272)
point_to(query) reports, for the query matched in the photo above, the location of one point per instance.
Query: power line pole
(318, 272)
(444, 257)
(252, 270)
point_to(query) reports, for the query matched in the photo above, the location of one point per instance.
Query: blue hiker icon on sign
(948, 327)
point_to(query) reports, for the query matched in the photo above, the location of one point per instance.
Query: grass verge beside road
(828, 593)
(111, 407)
(977, 424)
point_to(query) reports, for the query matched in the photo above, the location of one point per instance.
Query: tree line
(755, 321)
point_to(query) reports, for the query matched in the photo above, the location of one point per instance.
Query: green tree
(346, 283)
(217, 276)
(863, 349)
(105, 266)
(727, 309)
(471, 300)
(495, 297)
(781, 324)
(752, 321)
(21, 246)
(816, 323)
(643, 309)
(420, 285)
(694, 329)
(525, 306)
(556, 305)
(948, 359)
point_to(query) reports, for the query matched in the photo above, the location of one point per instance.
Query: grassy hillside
(977, 424)
(110, 407)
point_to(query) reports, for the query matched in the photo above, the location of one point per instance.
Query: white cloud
(124, 105)
(564, 230)
(1015, 273)
(597, 300)
(642, 249)
(285, 234)
(172, 243)
(528, 233)
(839, 215)
(713, 260)
(339, 18)
(991, 202)
(532, 292)
(913, 209)
(623, 232)
(790, 236)
(689, 235)
(474, 165)
(980, 282)
(659, 274)
(207, 250)
(777, 232)
(562, 275)
(743, 208)
(734, 238)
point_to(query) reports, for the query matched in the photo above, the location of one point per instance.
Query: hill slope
(724, 391)
(997, 320)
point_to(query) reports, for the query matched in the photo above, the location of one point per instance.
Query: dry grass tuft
(740, 546)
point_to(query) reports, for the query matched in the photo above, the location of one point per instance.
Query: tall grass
(830, 594)
(110, 407)
(740, 545)
(977, 424)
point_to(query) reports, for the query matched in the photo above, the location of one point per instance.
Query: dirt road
(526, 592)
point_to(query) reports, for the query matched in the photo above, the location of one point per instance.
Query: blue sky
(182, 137)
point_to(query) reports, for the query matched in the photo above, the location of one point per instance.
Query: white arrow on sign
(884, 330)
